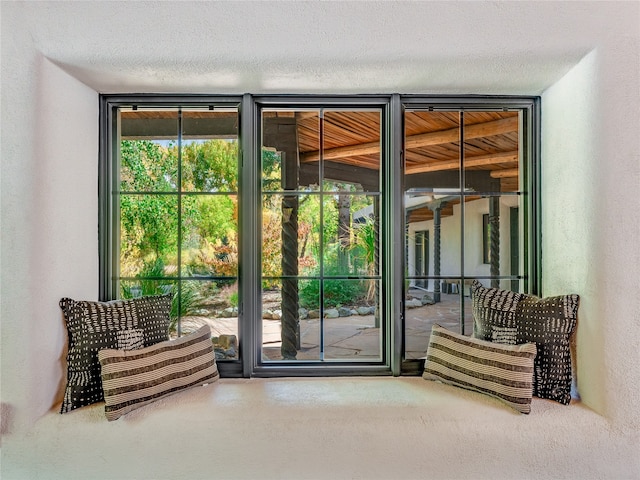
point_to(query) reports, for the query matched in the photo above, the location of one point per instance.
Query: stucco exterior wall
(450, 241)
(583, 58)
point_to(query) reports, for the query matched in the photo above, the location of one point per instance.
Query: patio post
(494, 245)
(290, 302)
(437, 208)
(290, 322)
(376, 261)
(281, 133)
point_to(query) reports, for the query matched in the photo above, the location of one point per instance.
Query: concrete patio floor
(350, 338)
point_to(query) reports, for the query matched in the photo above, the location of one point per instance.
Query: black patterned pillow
(93, 326)
(504, 372)
(131, 379)
(508, 317)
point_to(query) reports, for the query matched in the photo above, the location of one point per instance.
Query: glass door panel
(319, 256)
(209, 172)
(492, 220)
(178, 215)
(445, 150)
(432, 200)
(149, 229)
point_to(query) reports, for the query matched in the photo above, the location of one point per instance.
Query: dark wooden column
(281, 133)
(437, 210)
(376, 261)
(494, 246)
(344, 232)
(290, 321)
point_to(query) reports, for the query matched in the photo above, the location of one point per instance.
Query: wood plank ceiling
(432, 144)
(431, 141)
(353, 138)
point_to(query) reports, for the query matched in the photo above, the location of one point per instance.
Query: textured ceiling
(347, 47)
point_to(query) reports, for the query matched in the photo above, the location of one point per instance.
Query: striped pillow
(501, 371)
(131, 379)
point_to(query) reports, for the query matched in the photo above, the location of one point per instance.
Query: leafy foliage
(150, 226)
(365, 241)
(229, 294)
(271, 170)
(218, 257)
(151, 282)
(210, 166)
(147, 166)
(217, 216)
(148, 230)
(149, 218)
(336, 292)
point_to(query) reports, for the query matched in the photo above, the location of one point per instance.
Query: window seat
(392, 428)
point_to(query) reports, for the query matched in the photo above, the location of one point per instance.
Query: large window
(318, 235)
(465, 189)
(174, 175)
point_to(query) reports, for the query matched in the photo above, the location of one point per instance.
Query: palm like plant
(365, 238)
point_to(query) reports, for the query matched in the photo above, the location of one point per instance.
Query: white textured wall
(49, 222)
(49, 161)
(591, 226)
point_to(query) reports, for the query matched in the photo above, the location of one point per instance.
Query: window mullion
(462, 215)
(393, 221)
(321, 246)
(249, 283)
(179, 252)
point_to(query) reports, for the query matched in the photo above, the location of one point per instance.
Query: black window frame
(392, 226)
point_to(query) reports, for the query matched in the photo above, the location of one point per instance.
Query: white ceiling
(318, 46)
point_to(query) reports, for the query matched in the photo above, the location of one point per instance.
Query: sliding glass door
(464, 187)
(320, 218)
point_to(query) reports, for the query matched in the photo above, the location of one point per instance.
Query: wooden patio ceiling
(352, 139)
(432, 141)
(432, 148)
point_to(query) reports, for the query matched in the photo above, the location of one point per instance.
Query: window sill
(289, 425)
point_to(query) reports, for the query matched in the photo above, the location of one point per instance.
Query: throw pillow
(511, 318)
(504, 372)
(133, 378)
(92, 326)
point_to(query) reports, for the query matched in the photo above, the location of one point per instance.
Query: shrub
(229, 294)
(336, 292)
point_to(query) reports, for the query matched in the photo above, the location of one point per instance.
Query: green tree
(210, 166)
(271, 170)
(149, 229)
(147, 166)
(148, 221)
(217, 216)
